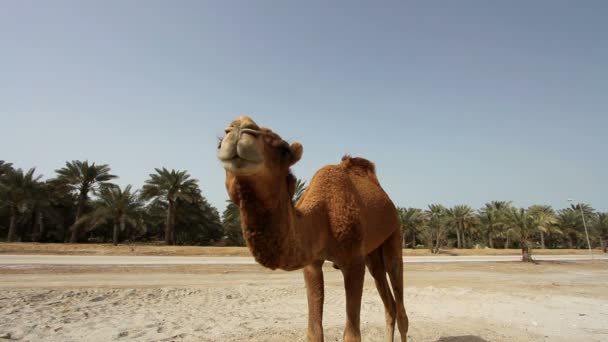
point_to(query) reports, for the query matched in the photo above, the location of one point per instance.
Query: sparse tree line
(81, 204)
(499, 224)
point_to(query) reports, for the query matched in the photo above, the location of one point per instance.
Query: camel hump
(356, 164)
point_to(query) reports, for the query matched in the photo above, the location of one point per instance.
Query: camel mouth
(239, 165)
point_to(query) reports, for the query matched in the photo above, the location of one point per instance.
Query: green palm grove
(81, 204)
(499, 224)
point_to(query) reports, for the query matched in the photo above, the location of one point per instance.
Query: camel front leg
(313, 276)
(354, 274)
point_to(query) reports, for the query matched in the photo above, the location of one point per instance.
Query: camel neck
(282, 237)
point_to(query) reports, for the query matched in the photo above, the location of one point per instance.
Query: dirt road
(7, 259)
(552, 301)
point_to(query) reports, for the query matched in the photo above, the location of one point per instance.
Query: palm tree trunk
(168, 227)
(404, 243)
(570, 243)
(438, 242)
(459, 244)
(122, 227)
(41, 226)
(12, 228)
(76, 229)
(507, 242)
(36, 226)
(115, 234)
(490, 242)
(173, 222)
(525, 251)
(525, 254)
(542, 240)
(27, 235)
(413, 239)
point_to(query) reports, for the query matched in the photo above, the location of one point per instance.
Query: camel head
(258, 157)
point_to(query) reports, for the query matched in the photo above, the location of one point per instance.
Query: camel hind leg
(393, 262)
(375, 265)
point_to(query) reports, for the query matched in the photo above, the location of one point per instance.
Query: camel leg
(354, 274)
(393, 261)
(313, 276)
(375, 265)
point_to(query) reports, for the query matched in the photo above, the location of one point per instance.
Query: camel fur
(344, 216)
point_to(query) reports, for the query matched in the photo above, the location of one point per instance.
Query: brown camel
(344, 216)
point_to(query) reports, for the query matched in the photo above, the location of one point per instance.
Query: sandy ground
(552, 301)
(160, 250)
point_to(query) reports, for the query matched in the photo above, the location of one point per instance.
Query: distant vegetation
(498, 224)
(81, 204)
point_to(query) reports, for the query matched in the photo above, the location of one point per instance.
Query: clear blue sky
(455, 101)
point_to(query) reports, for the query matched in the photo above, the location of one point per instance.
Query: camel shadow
(465, 338)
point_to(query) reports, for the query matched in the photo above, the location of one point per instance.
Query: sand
(565, 301)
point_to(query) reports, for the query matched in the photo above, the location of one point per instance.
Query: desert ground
(480, 301)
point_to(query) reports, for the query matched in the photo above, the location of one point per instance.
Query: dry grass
(108, 249)
(142, 249)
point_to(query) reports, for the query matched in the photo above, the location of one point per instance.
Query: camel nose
(247, 145)
(228, 146)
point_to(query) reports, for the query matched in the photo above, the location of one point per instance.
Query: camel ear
(296, 152)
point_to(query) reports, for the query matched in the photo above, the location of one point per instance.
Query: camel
(344, 216)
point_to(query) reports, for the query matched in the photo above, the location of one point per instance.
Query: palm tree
(17, 190)
(57, 210)
(41, 209)
(491, 216)
(462, 217)
(436, 217)
(197, 222)
(5, 168)
(587, 210)
(588, 216)
(411, 221)
(543, 218)
(82, 178)
(117, 206)
(570, 224)
(601, 227)
(170, 186)
(231, 221)
(299, 191)
(522, 223)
